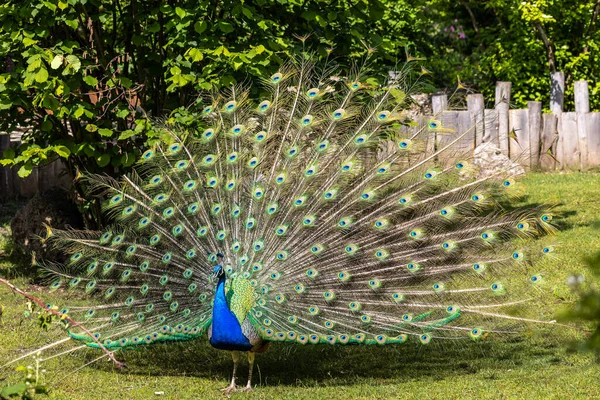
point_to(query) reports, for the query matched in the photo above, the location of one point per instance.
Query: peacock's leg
(236, 357)
(251, 356)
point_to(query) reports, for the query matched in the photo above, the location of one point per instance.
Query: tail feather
(327, 199)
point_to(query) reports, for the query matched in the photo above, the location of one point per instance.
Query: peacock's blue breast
(226, 332)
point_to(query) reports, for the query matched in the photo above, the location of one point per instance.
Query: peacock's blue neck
(226, 330)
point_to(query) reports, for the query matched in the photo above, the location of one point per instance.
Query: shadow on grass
(562, 217)
(296, 365)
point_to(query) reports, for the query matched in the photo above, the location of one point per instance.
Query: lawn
(540, 365)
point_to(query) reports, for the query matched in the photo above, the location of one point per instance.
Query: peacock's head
(218, 270)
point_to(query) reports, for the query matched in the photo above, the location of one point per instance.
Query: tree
(89, 76)
(517, 41)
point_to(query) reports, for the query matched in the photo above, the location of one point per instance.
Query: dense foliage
(87, 75)
(517, 41)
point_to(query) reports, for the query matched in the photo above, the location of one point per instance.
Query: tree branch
(473, 21)
(40, 303)
(592, 26)
(549, 49)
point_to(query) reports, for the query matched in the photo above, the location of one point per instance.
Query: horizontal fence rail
(536, 140)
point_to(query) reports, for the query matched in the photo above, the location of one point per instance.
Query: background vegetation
(87, 74)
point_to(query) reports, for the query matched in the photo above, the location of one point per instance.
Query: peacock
(321, 213)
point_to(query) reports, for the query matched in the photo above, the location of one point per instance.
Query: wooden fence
(40, 179)
(545, 141)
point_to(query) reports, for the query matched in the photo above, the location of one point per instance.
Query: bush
(87, 75)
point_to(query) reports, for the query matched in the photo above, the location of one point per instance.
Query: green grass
(537, 366)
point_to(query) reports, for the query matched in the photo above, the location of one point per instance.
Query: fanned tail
(324, 196)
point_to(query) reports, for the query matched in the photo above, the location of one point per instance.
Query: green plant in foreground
(30, 386)
(588, 307)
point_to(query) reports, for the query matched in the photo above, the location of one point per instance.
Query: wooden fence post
(557, 92)
(502, 105)
(439, 104)
(477, 113)
(535, 132)
(518, 140)
(557, 99)
(582, 108)
(549, 141)
(568, 141)
(593, 139)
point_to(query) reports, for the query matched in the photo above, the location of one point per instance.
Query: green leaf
(225, 27)
(72, 23)
(123, 113)
(103, 160)
(90, 80)
(194, 54)
(74, 62)
(41, 76)
(180, 12)
(25, 170)
(91, 128)
(9, 154)
(50, 5)
(155, 27)
(63, 5)
(398, 94)
(79, 112)
(29, 42)
(247, 12)
(309, 15)
(105, 132)
(125, 82)
(62, 151)
(140, 125)
(50, 102)
(5, 104)
(126, 134)
(46, 125)
(56, 61)
(14, 390)
(89, 150)
(128, 159)
(221, 50)
(200, 26)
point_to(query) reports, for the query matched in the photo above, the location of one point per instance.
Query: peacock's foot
(246, 388)
(229, 389)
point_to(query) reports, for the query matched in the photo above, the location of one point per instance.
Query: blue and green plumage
(226, 330)
(335, 226)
